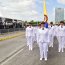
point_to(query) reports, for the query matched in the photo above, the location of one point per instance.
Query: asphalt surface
(8, 47)
(15, 52)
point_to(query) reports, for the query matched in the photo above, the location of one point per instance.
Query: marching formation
(45, 37)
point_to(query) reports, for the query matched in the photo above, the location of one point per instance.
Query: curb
(10, 37)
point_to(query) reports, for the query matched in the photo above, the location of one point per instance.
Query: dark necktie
(51, 26)
(61, 26)
(42, 28)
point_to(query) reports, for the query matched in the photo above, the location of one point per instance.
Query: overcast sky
(29, 9)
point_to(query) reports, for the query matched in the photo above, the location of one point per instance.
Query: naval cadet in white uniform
(35, 34)
(29, 36)
(51, 34)
(39, 27)
(61, 36)
(43, 41)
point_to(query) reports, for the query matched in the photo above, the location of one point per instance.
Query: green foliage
(35, 23)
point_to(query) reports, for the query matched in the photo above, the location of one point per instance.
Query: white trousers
(43, 50)
(51, 40)
(35, 38)
(61, 41)
(30, 42)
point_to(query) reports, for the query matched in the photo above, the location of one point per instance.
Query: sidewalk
(7, 36)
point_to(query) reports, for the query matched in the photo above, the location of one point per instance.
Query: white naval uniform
(38, 35)
(61, 38)
(56, 30)
(29, 37)
(35, 34)
(43, 42)
(51, 35)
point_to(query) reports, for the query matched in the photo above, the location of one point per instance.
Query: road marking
(12, 56)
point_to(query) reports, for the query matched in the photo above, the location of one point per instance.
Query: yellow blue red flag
(45, 12)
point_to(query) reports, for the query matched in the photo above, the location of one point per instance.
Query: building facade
(59, 15)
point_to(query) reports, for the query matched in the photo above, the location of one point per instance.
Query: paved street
(15, 52)
(10, 46)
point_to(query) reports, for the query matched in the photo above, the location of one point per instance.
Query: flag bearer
(43, 41)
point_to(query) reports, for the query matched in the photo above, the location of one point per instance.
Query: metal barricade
(10, 30)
